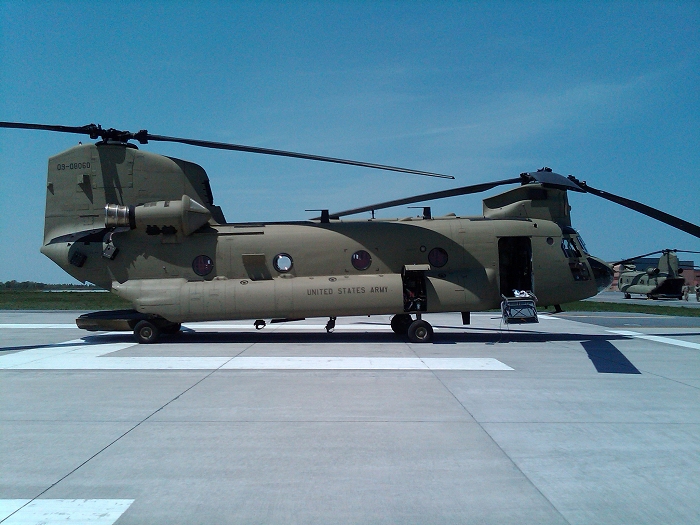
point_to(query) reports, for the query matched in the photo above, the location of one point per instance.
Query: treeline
(32, 286)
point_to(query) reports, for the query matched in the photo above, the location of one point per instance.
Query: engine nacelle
(168, 217)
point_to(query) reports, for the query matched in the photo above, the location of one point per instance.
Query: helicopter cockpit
(575, 250)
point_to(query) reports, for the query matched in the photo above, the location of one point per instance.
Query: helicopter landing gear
(171, 328)
(260, 324)
(400, 323)
(146, 332)
(330, 325)
(420, 332)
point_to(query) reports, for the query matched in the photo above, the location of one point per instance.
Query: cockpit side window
(569, 248)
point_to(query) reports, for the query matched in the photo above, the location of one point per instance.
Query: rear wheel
(400, 323)
(146, 332)
(420, 332)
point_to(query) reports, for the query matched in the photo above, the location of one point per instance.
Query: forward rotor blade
(281, 153)
(464, 190)
(659, 215)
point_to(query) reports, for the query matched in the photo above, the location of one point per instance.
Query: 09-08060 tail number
(73, 166)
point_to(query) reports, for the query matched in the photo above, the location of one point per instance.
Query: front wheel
(146, 332)
(420, 332)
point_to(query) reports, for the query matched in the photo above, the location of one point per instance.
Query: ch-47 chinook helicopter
(145, 227)
(664, 280)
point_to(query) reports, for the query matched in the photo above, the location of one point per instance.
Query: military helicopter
(145, 227)
(664, 280)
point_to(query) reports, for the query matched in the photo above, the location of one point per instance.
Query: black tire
(420, 332)
(400, 323)
(628, 296)
(146, 332)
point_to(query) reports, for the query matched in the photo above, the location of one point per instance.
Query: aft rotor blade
(640, 257)
(293, 154)
(96, 131)
(82, 130)
(667, 218)
(464, 190)
(668, 250)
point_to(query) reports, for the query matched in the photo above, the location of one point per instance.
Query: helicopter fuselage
(233, 271)
(663, 280)
(165, 247)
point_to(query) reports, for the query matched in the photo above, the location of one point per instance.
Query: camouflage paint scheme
(153, 256)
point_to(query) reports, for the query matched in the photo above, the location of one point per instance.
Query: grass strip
(35, 300)
(593, 306)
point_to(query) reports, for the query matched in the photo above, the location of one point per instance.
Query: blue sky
(609, 92)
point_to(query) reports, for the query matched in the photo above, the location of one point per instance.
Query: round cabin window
(437, 257)
(283, 262)
(202, 265)
(361, 260)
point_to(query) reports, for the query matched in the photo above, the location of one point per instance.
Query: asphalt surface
(582, 418)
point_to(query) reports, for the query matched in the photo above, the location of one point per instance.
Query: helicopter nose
(602, 272)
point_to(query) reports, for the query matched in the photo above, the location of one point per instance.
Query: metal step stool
(517, 310)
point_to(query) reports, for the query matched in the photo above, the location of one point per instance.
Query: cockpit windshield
(582, 244)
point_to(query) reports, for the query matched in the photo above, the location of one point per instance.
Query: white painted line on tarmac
(218, 326)
(364, 363)
(284, 327)
(36, 326)
(658, 339)
(55, 511)
(464, 363)
(93, 357)
(58, 357)
(227, 326)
